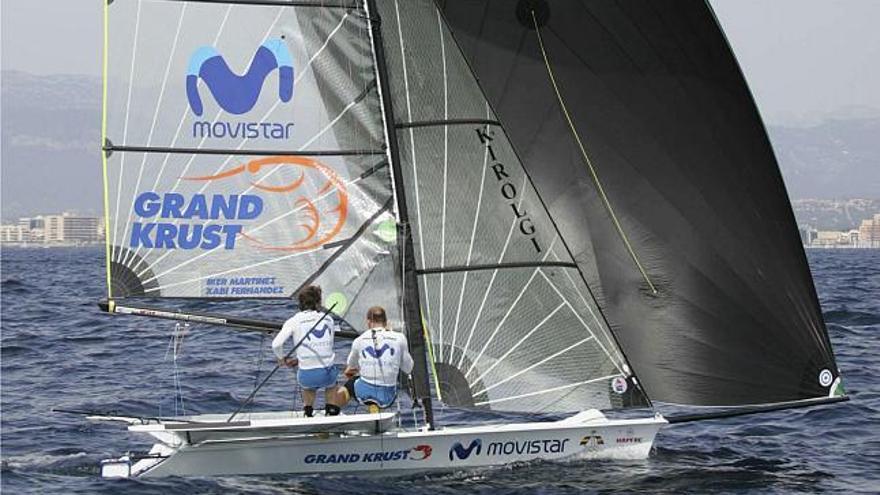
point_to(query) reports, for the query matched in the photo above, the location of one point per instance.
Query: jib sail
(512, 324)
(640, 131)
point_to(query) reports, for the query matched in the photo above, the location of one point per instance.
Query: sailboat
(570, 208)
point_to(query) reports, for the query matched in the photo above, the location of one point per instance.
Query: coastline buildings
(64, 229)
(869, 232)
(866, 236)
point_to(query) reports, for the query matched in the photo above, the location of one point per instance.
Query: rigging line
(605, 328)
(413, 156)
(494, 274)
(304, 146)
(181, 15)
(445, 173)
(545, 391)
(137, 25)
(533, 366)
(518, 343)
(108, 251)
(586, 158)
(586, 326)
(471, 245)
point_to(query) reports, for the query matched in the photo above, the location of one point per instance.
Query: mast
(412, 306)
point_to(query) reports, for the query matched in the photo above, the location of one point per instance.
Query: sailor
(376, 358)
(315, 355)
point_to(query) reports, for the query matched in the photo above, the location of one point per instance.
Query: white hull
(588, 435)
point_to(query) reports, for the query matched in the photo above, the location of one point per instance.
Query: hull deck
(267, 447)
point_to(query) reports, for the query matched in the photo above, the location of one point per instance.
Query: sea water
(59, 350)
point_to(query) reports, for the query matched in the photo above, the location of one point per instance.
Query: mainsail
(639, 129)
(245, 153)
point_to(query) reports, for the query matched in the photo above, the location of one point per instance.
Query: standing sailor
(315, 355)
(376, 357)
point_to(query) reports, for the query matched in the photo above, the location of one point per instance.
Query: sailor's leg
(331, 397)
(308, 401)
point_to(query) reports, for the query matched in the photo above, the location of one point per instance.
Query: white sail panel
(217, 75)
(243, 215)
(236, 218)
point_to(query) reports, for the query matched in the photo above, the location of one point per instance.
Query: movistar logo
(377, 353)
(238, 94)
(458, 450)
(319, 332)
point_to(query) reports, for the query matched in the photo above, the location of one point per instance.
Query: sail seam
(514, 347)
(183, 116)
(412, 144)
(445, 176)
(134, 45)
(492, 280)
(586, 326)
(539, 363)
(544, 391)
(470, 247)
(155, 119)
(606, 202)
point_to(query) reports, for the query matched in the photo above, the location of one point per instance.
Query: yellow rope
(587, 158)
(431, 357)
(107, 250)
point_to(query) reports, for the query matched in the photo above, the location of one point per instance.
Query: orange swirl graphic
(314, 219)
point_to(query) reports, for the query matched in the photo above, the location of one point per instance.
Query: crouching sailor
(376, 358)
(315, 355)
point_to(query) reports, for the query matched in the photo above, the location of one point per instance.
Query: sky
(804, 59)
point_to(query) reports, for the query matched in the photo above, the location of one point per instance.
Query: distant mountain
(839, 158)
(834, 214)
(51, 159)
(50, 137)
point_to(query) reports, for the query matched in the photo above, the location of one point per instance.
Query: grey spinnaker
(695, 256)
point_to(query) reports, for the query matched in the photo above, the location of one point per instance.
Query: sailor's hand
(288, 362)
(350, 372)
